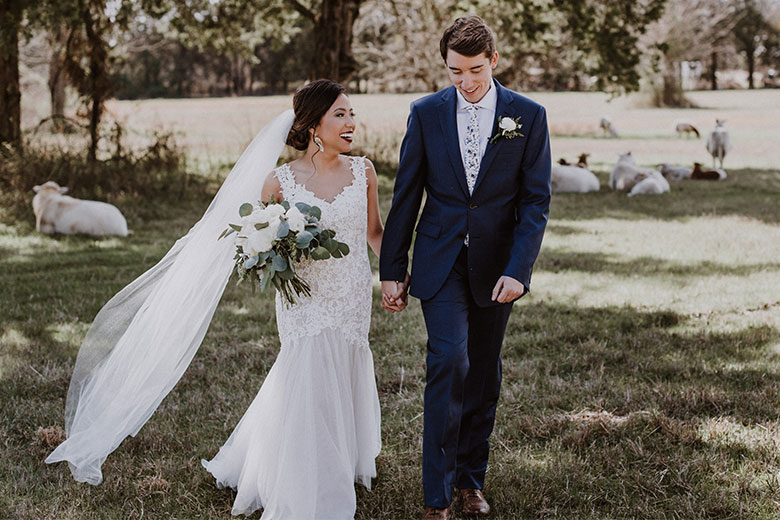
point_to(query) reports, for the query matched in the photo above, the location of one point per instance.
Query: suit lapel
(449, 128)
(503, 102)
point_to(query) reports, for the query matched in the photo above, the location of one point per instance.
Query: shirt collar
(487, 102)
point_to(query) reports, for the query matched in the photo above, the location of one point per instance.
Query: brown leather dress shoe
(434, 513)
(473, 502)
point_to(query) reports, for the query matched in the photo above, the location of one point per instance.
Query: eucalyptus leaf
(287, 274)
(303, 239)
(245, 209)
(266, 278)
(279, 263)
(303, 207)
(331, 245)
(343, 248)
(284, 229)
(320, 253)
(251, 262)
(235, 227)
(316, 212)
(285, 205)
(261, 225)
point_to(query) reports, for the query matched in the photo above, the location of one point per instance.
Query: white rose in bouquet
(260, 241)
(274, 210)
(296, 219)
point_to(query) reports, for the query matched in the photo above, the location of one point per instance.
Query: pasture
(641, 374)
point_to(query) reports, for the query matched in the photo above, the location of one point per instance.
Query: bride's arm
(271, 188)
(375, 229)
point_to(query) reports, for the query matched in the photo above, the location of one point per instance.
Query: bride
(313, 429)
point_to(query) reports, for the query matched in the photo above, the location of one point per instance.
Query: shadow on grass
(557, 260)
(616, 403)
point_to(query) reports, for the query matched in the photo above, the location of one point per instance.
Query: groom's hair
(469, 36)
(310, 103)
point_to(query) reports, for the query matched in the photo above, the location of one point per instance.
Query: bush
(158, 170)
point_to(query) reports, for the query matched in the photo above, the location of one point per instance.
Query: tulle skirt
(312, 431)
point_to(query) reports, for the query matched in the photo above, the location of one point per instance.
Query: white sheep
(626, 173)
(609, 129)
(58, 213)
(674, 172)
(653, 184)
(573, 179)
(718, 143)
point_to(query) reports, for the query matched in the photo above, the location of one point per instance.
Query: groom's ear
(494, 60)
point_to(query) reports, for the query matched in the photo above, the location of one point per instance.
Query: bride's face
(337, 126)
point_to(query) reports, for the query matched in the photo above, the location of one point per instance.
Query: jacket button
(473, 206)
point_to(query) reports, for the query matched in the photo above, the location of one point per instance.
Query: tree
(11, 16)
(333, 34)
(754, 35)
(689, 30)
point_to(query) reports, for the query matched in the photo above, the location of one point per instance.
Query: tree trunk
(98, 81)
(714, 71)
(333, 32)
(11, 96)
(58, 43)
(751, 64)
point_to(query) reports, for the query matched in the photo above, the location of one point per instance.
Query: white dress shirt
(486, 112)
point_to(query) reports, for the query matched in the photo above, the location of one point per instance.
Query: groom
(487, 199)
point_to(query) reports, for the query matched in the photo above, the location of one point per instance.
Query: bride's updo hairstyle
(310, 103)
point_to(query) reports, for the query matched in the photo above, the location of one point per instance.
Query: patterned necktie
(472, 147)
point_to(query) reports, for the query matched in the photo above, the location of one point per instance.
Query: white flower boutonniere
(508, 128)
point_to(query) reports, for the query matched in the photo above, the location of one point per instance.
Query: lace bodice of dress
(340, 287)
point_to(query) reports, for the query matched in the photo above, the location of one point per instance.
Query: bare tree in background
(688, 30)
(398, 43)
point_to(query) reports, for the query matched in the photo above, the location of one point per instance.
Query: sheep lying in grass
(653, 184)
(685, 127)
(674, 172)
(573, 179)
(698, 173)
(58, 213)
(719, 142)
(608, 128)
(626, 173)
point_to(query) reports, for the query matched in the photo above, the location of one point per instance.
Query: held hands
(395, 294)
(507, 289)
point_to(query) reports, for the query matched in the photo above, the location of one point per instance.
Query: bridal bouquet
(272, 237)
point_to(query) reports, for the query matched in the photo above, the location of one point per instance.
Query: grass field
(641, 375)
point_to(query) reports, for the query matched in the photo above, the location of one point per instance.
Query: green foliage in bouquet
(272, 238)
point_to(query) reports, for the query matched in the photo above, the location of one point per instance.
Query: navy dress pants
(463, 381)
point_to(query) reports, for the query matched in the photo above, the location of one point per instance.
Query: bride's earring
(318, 142)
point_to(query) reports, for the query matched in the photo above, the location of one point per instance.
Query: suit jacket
(505, 216)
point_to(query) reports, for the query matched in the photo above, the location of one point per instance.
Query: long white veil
(144, 338)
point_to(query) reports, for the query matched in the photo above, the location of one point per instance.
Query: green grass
(640, 376)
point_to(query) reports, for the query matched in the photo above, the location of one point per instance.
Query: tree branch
(295, 4)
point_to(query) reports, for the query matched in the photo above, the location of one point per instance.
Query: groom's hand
(395, 294)
(507, 289)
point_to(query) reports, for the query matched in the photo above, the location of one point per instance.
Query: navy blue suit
(505, 218)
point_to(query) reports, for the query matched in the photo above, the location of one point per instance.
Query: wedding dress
(313, 429)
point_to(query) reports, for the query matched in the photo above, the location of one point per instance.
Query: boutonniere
(508, 128)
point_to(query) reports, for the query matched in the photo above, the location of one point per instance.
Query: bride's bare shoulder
(272, 187)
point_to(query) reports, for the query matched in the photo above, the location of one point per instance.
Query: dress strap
(359, 168)
(286, 181)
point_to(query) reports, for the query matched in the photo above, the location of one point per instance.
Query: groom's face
(471, 75)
